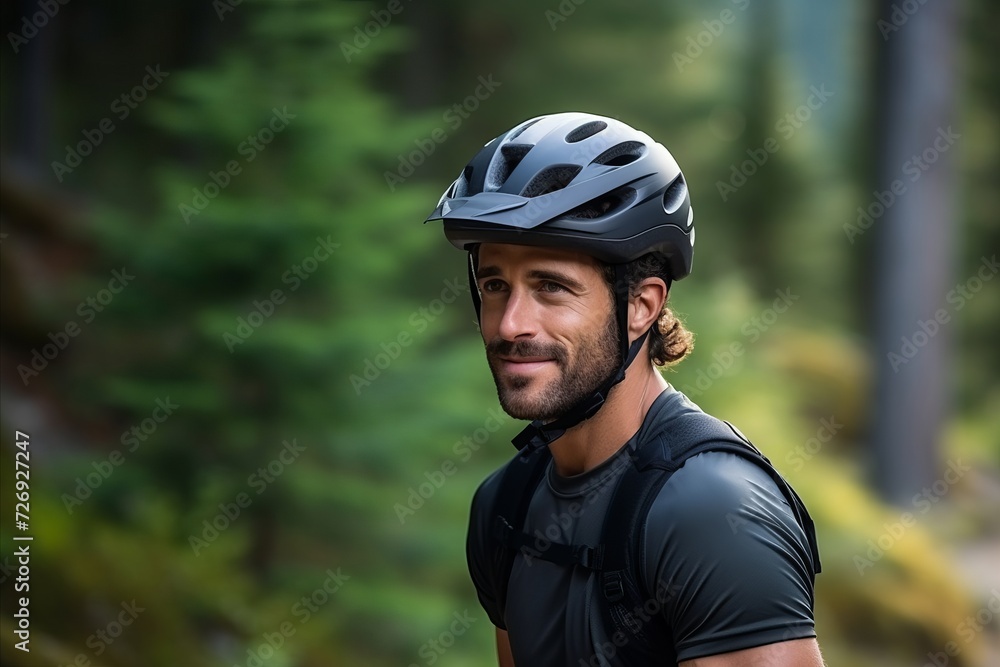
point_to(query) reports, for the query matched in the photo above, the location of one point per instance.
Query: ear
(645, 306)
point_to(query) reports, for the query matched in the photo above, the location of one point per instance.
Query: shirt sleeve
(724, 544)
(484, 558)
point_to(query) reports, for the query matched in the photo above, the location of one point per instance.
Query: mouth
(524, 365)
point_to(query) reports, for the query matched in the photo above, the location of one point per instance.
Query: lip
(525, 364)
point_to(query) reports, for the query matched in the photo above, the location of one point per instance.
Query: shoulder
(482, 509)
(722, 539)
(720, 500)
(710, 483)
(487, 490)
(484, 499)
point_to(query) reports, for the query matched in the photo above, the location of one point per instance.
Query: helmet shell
(577, 181)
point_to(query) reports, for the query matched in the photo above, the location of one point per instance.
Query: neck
(588, 445)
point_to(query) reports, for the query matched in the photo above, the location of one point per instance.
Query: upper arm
(798, 652)
(504, 657)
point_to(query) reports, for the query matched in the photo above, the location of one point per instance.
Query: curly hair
(669, 341)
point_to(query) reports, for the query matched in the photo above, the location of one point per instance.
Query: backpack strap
(510, 508)
(624, 593)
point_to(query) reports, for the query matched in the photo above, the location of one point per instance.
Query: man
(575, 226)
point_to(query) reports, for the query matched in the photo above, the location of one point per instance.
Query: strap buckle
(589, 557)
(614, 588)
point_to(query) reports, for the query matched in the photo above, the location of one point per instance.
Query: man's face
(549, 327)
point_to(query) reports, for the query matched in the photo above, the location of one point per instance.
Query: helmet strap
(477, 300)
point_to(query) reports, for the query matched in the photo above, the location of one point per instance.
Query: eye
(551, 287)
(493, 285)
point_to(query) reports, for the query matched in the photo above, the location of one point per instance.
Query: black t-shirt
(730, 566)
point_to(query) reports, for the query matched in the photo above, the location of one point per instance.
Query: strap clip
(589, 557)
(614, 589)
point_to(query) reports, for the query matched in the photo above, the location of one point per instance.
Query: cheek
(595, 317)
(578, 329)
(490, 317)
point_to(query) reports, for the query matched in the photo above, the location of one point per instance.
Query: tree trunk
(913, 212)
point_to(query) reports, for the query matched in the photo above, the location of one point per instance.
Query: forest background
(250, 380)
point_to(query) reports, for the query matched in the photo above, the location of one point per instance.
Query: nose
(519, 319)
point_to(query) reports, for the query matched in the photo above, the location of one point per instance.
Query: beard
(579, 375)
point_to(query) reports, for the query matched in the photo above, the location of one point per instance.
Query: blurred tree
(363, 362)
(914, 209)
(264, 256)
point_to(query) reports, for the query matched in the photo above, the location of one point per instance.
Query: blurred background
(250, 380)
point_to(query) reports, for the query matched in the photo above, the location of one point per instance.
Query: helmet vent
(604, 205)
(551, 179)
(586, 130)
(517, 131)
(461, 186)
(505, 163)
(674, 195)
(621, 154)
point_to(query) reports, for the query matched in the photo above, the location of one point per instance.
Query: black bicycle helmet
(577, 181)
(574, 180)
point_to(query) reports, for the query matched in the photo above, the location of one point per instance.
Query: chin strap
(477, 300)
(538, 433)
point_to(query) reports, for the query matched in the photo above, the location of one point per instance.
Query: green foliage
(325, 416)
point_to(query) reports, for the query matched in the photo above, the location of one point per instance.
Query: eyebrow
(487, 272)
(538, 274)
